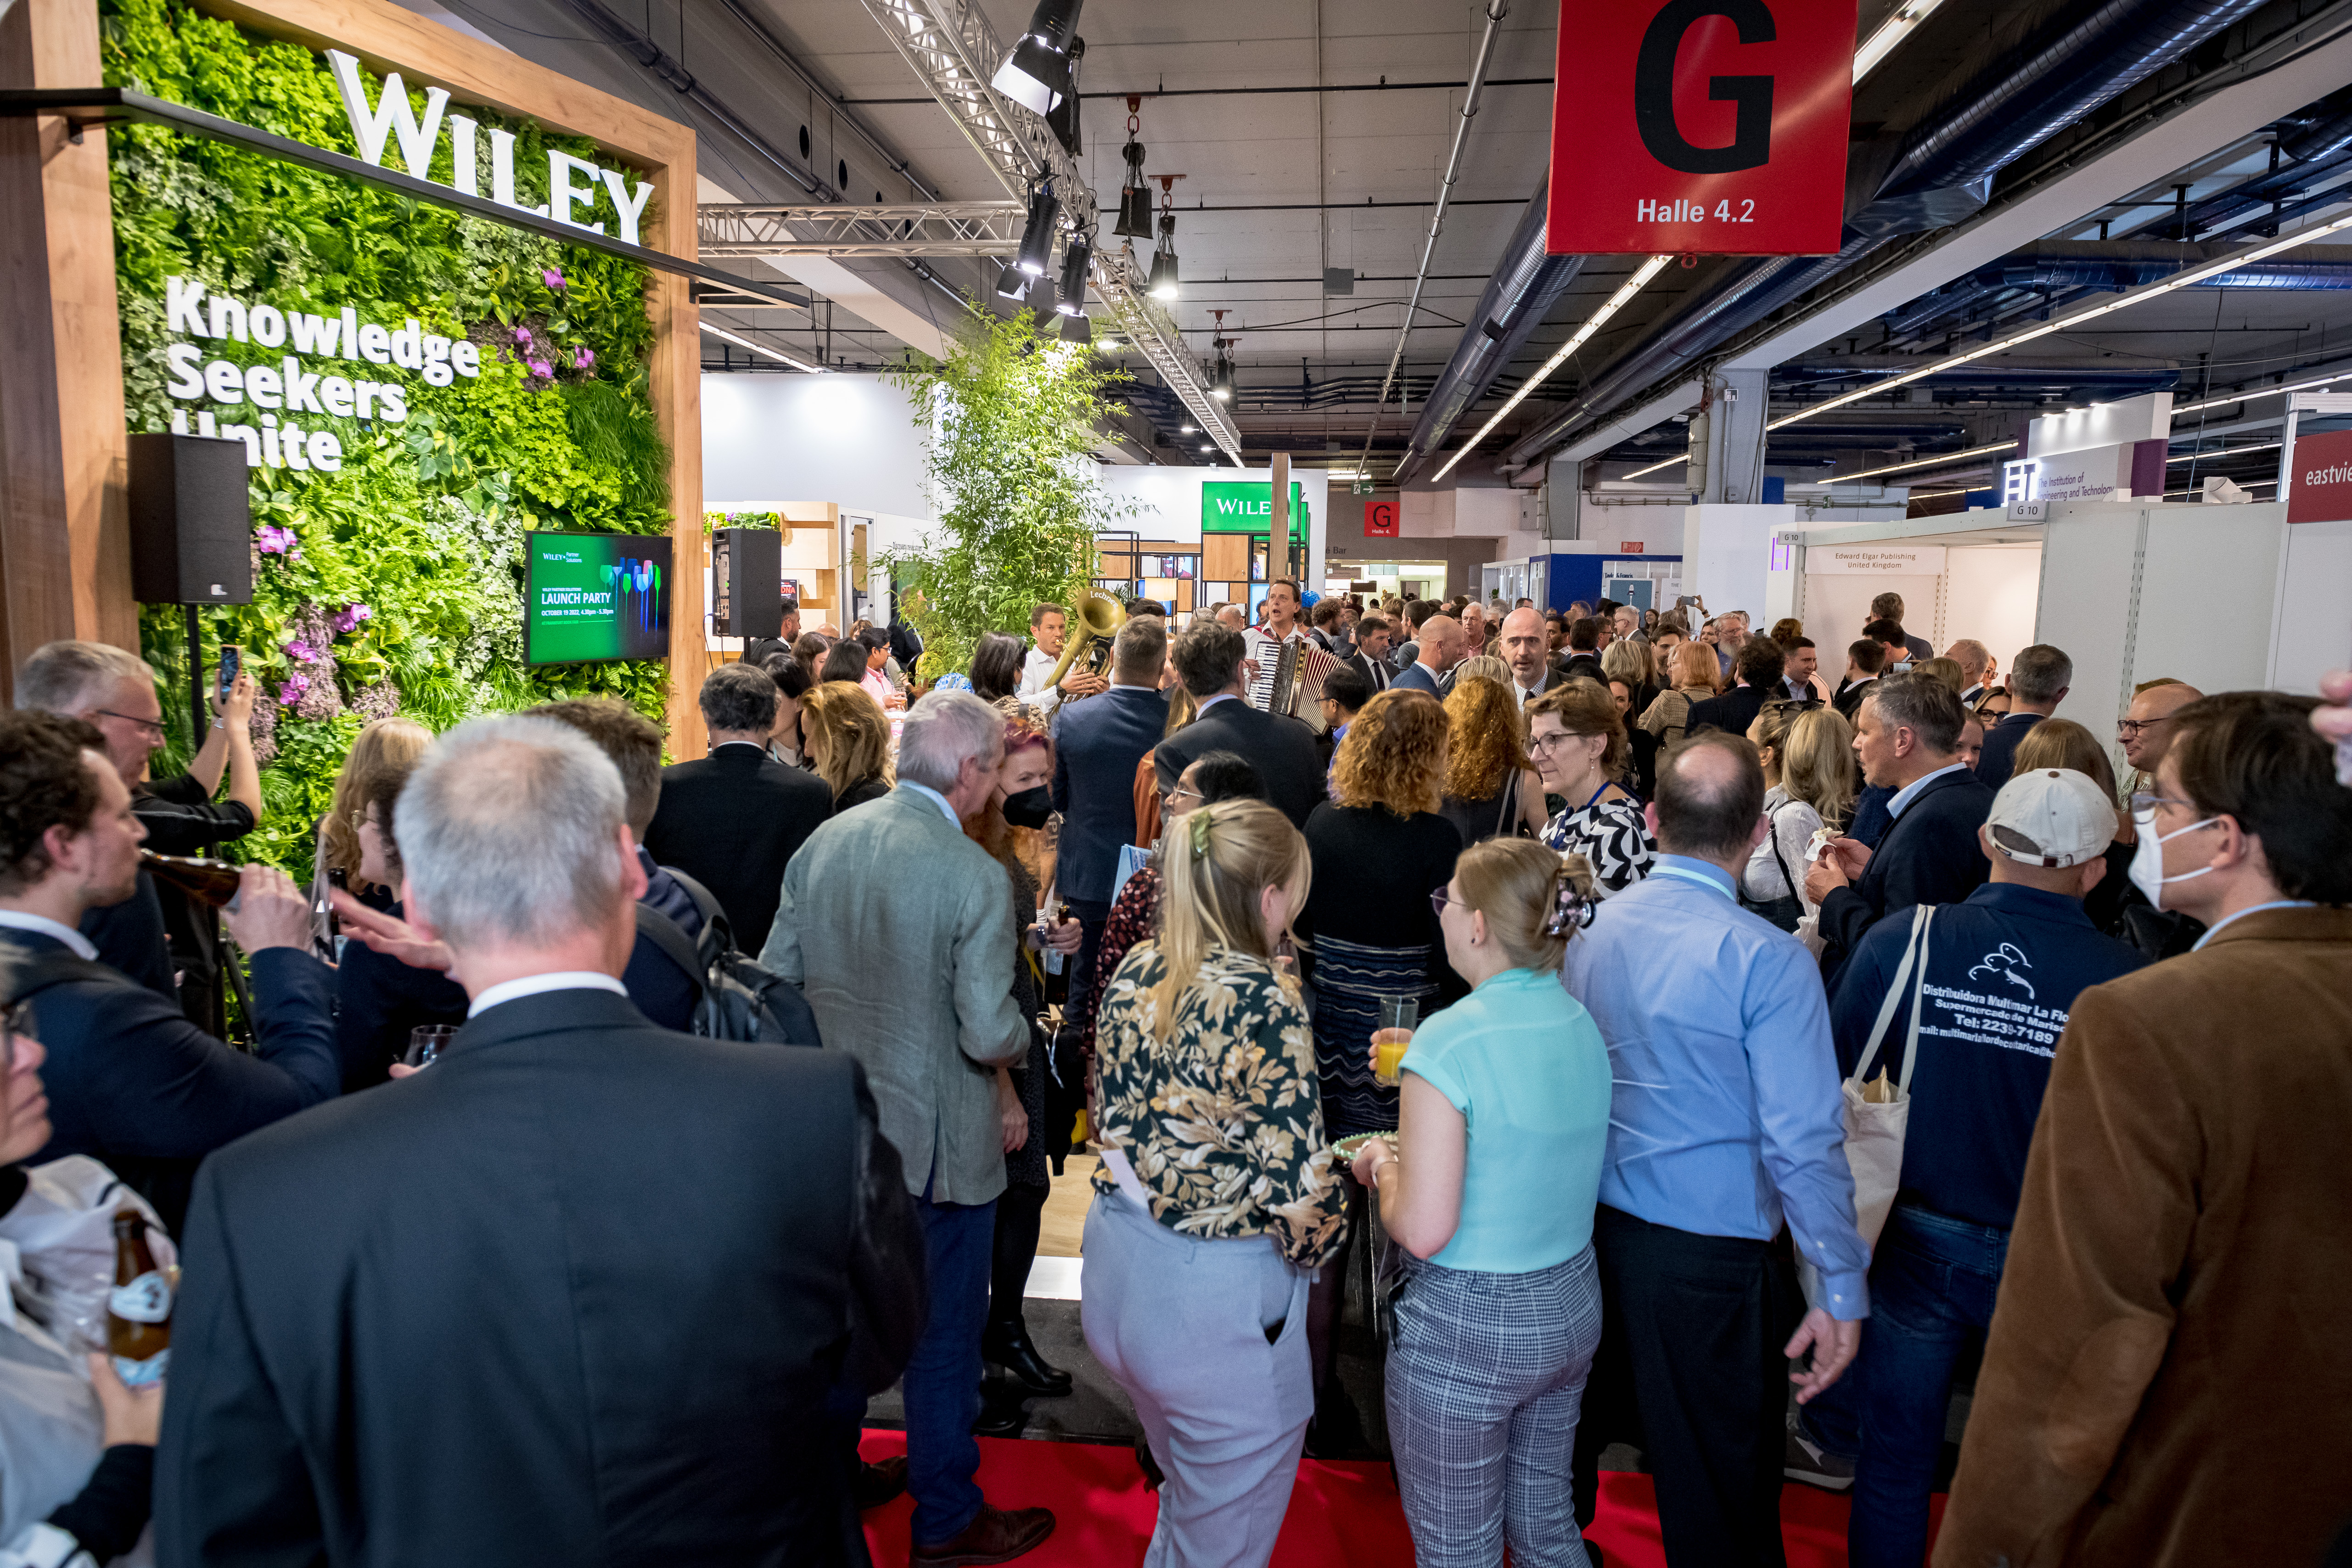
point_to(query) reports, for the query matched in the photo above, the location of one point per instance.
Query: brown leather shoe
(879, 1483)
(994, 1535)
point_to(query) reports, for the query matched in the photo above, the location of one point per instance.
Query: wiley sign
(1716, 126)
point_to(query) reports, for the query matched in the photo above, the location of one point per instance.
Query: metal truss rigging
(918, 228)
(953, 50)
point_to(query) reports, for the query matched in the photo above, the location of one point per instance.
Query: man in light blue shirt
(1726, 1119)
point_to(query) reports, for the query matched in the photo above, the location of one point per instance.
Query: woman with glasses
(1810, 778)
(1577, 742)
(1489, 1188)
(1218, 1191)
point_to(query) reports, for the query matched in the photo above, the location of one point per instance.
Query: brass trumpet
(1088, 645)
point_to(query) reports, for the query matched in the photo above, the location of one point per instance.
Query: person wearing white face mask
(2157, 1345)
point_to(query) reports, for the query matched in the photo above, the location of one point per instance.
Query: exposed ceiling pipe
(1941, 173)
(1496, 11)
(1966, 292)
(1525, 284)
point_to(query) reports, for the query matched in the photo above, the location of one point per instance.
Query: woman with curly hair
(848, 742)
(1489, 791)
(1379, 848)
(1578, 742)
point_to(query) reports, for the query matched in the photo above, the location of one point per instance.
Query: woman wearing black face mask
(1006, 827)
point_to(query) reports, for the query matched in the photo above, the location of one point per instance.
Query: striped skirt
(1349, 981)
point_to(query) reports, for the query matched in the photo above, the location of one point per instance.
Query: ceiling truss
(953, 50)
(923, 228)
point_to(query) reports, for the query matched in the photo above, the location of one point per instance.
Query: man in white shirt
(1048, 631)
(1265, 645)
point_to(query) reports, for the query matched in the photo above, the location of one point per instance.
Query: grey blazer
(900, 931)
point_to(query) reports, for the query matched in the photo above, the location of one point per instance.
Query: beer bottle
(139, 1308)
(213, 882)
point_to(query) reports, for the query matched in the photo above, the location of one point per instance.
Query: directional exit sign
(1716, 126)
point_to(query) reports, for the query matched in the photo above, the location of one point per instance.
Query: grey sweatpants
(1182, 1323)
(1485, 1379)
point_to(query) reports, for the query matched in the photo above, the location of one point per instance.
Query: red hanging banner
(1715, 126)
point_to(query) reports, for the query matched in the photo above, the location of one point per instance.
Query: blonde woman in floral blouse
(1217, 1197)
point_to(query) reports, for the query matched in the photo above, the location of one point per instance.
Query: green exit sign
(1361, 486)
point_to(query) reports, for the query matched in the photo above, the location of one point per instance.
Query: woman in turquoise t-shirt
(1504, 1112)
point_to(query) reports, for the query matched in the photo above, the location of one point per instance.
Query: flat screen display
(591, 597)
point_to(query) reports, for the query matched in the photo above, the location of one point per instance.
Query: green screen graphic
(1246, 506)
(595, 596)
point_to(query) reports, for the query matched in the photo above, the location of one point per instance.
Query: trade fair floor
(1075, 1455)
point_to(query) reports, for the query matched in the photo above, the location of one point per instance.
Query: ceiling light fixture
(2183, 279)
(1891, 32)
(1037, 73)
(1037, 234)
(1073, 296)
(1654, 467)
(1592, 324)
(2225, 452)
(1165, 283)
(770, 353)
(1938, 460)
(1078, 329)
(2180, 408)
(1135, 196)
(1013, 284)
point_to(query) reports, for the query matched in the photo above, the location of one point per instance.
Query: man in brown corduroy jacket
(2169, 1377)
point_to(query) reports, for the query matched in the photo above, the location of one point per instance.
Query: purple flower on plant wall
(291, 691)
(276, 541)
(539, 367)
(554, 278)
(300, 652)
(523, 336)
(584, 359)
(349, 620)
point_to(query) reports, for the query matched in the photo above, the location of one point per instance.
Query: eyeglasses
(1547, 744)
(2145, 800)
(1439, 900)
(146, 726)
(1181, 793)
(2132, 729)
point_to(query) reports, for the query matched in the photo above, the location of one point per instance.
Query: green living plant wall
(392, 585)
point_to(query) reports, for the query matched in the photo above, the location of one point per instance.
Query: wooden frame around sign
(65, 559)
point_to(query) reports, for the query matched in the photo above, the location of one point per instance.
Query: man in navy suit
(1442, 645)
(1908, 738)
(1099, 741)
(132, 1082)
(2038, 682)
(1209, 660)
(1759, 663)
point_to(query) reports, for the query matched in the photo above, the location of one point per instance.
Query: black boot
(1005, 1343)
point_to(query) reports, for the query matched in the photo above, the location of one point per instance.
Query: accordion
(1295, 684)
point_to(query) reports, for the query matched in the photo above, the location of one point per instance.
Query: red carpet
(1341, 1515)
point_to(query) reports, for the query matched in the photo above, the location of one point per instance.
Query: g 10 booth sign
(1717, 126)
(282, 391)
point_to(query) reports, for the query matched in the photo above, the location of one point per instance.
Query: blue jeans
(941, 1386)
(1931, 1287)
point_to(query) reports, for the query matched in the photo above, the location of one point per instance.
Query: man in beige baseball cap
(2002, 967)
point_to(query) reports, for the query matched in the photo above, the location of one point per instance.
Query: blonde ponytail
(1213, 863)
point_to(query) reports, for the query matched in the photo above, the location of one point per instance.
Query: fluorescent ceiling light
(1939, 459)
(1654, 467)
(2179, 409)
(1593, 324)
(2225, 452)
(1891, 32)
(2183, 279)
(755, 348)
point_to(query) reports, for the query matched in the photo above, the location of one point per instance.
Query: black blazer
(1375, 670)
(1930, 855)
(1096, 746)
(1281, 748)
(1586, 666)
(1733, 711)
(731, 821)
(575, 1293)
(133, 1084)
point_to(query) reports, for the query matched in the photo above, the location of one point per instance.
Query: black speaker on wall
(746, 574)
(190, 521)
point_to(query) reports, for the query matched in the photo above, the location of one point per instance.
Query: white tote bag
(1874, 1129)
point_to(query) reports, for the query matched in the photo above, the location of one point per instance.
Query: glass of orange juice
(1398, 1017)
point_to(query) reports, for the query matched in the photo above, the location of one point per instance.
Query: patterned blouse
(1224, 1125)
(1612, 838)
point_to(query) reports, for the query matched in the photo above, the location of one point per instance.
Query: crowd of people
(1773, 1041)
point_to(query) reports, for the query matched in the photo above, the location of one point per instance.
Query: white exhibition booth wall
(2223, 597)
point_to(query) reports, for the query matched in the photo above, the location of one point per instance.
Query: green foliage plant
(422, 530)
(1010, 418)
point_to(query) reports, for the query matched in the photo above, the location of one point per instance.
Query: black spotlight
(1013, 284)
(1134, 197)
(1078, 329)
(1073, 298)
(1037, 72)
(1163, 283)
(1037, 234)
